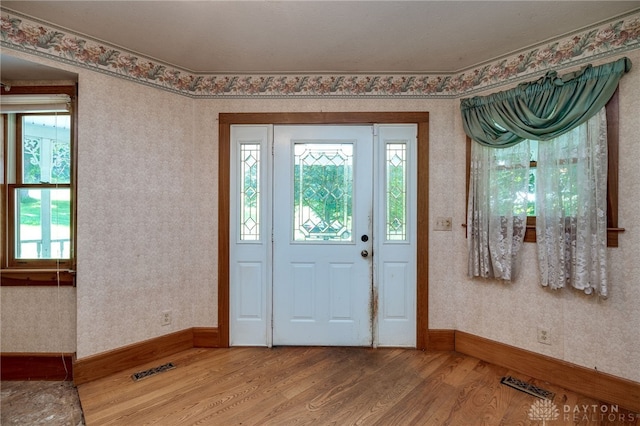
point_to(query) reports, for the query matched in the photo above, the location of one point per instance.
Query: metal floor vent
(152, 371)
(527, 388)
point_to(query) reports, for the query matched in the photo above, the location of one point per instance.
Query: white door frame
(221, 335)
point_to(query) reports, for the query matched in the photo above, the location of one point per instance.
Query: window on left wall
(38, 188)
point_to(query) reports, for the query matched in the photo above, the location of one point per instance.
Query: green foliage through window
(323, 176)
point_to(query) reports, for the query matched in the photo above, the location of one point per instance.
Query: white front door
(322, 271)
(323, 235)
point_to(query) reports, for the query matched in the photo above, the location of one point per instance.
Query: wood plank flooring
(331, 386)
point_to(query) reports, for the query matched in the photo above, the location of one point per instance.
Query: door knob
(364, 253)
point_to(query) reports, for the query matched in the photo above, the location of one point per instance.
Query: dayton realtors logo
(546, 411)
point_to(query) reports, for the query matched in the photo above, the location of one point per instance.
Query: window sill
(612, 235)
(37, 277)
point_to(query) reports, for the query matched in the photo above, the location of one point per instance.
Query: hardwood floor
(332, 386)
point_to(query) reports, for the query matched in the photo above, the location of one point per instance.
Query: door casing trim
(226, 120)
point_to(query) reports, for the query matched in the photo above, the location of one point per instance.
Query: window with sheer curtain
(567, 117)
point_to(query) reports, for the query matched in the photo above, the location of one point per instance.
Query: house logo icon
(544, 410)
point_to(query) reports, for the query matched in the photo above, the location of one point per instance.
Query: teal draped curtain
(542, 109)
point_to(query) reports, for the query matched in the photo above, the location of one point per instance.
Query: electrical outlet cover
(544, 335)
(165, 318)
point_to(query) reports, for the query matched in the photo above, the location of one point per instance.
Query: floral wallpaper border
(26, 34)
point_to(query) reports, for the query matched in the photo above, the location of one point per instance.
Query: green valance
(542, 109)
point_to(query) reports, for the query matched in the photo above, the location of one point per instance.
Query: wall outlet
(165, 319)
(442, 224)
(544, 335)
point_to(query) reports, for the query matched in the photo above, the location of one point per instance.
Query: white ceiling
(323, 36)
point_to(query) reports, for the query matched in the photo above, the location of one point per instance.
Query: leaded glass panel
(249, 192)
(396, 191)
(323, 192)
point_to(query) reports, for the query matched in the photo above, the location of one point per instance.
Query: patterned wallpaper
(27, 34)
(177, 269)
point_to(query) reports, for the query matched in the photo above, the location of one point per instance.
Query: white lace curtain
(571, 223)
(571, 208)
(497, 209)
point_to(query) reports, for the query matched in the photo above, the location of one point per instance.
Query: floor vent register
(152, 371)
(527, 388)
